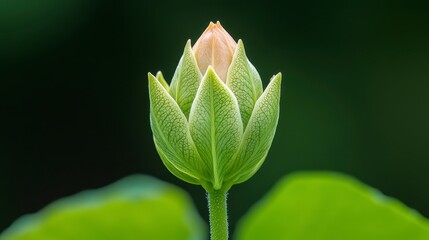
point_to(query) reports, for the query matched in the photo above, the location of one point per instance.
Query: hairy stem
(218, 215)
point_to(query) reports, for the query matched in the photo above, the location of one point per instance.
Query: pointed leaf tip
(186, 80)
(215, 125)
(244, 81)
(171, 135)
(161, 79)
(258, 135)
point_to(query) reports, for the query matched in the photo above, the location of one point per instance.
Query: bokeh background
(74, 99)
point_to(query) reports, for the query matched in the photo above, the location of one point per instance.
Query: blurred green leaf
(136, 207)
(321, 206)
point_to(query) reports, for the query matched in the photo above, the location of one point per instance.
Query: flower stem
(218, 215)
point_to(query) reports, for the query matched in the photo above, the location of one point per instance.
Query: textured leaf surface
(171, 135)
(161, 80)
(186, 80)
(245, 82)
(329, 206)
(259, 134)
(215, 125)
(137, 207)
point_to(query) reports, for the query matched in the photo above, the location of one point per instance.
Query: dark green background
(74, 98)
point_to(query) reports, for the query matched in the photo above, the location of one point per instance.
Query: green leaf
(161, 80)
(245, 82)
(215, 125)
(186, 80)
(136, 207)
(258, 135)
(329, 206)
(171, 136)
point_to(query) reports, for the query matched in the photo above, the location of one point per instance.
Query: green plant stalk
(218, 215)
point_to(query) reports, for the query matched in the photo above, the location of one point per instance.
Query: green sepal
(183, 176)
(161, 80)
(186, 80)
(258, 135)
(215, 125)
(245, 82)
(171, 136)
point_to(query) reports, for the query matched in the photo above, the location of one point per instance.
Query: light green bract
(211, 132)
(136, 207)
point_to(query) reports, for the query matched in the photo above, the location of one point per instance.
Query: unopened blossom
(215, 48)
(214, 124)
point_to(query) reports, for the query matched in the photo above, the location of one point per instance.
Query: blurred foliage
(330, 206)
(74, 99)
(137, 207)
(311, 205)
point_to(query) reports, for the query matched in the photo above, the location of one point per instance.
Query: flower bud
(214, 124)
(215, 48)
